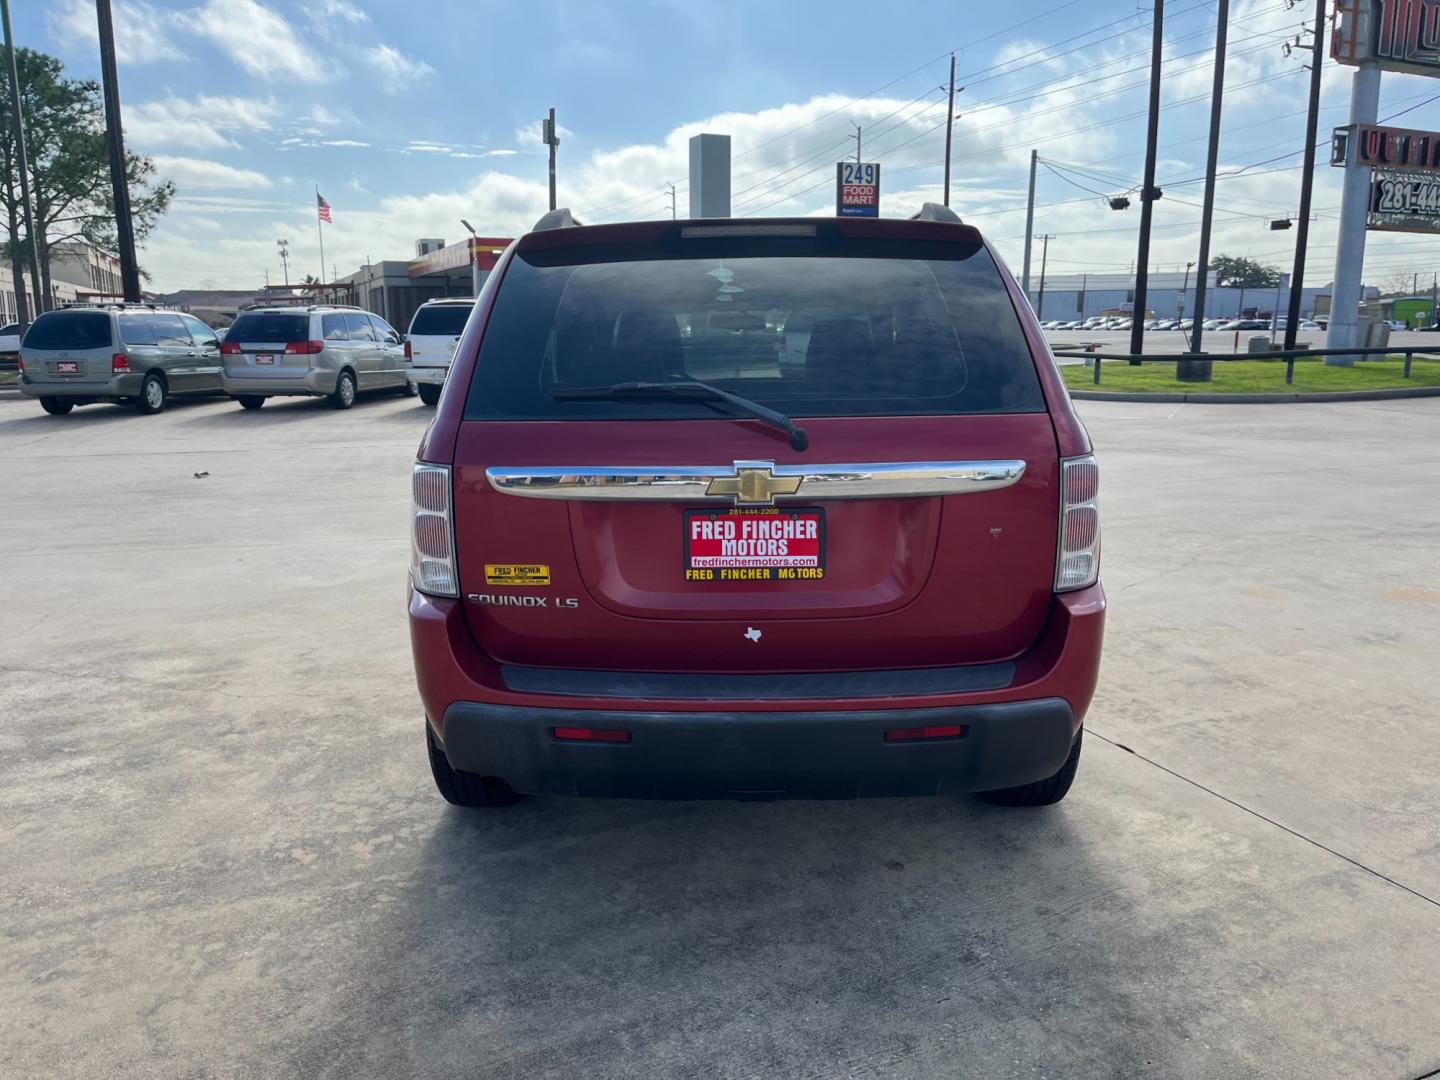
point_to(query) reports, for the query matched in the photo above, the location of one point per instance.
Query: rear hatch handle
(688, 391)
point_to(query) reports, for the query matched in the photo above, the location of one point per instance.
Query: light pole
(284, 246)
(474, 259)
(22, 309)
(1180, 304)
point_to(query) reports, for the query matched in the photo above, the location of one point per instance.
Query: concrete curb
(1261, 399)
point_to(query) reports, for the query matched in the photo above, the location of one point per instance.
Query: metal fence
(1288, 355)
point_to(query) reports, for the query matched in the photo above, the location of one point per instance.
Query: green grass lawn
(1253, 376)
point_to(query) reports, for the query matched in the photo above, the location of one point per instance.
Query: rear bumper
(737, 755)
(314, 383)
(118, 386)
(803, 748)
(433, 375)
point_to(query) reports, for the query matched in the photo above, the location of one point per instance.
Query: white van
(430, 345)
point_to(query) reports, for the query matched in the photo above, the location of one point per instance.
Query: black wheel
(463, 788)
(409, 390)
(250, 401)
(1044, 792)
(151, 398)
(429, 394)
(344, 395)
(55, 406)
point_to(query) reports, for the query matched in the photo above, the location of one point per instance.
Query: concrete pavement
(223, 854)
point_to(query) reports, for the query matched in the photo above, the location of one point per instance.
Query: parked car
(135, 354)
(317, 351)
(10, 347)
(430, 343)
(1213, 324)
(1309, 324)
(644, 566)
(1396, 324)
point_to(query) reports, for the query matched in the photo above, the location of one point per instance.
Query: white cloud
(258, 39)
(198, 172)
(395, 68)
(141, 31)
(344, 142)
(501, 153)
(322, 10)
(201, 123)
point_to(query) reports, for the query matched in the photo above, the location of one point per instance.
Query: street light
(284, 246)
(474, 259)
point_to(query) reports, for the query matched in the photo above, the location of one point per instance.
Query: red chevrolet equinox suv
(754, 509)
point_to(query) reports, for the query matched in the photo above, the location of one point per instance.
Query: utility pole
(1084, 281)
(672, 201)
(1207, 212)
(1434, 296)
(17, 118)
(1044, 258)
(856, 137)
(1180, 303)
(1307, 178)
(124, 227)
(284, 246)
(1148, 194)
(1030, 221)
(949, 128)
(552, 140)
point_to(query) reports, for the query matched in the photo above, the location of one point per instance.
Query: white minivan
(430, 345)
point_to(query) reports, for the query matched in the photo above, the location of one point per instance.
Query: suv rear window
(441, 320)
(883, 328)
(69, 330)
(267, 326)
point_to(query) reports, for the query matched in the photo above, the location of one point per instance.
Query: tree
(310, 280)
(1238, 272)
(70, 165)
(1401, 282)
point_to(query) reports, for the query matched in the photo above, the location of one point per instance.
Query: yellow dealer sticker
(516, 574)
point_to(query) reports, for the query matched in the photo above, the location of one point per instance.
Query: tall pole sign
(857, 189)
(1372, 36)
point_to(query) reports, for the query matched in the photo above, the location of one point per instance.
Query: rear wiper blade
(687, 391)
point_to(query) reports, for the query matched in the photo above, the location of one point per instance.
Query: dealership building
(1169, 295)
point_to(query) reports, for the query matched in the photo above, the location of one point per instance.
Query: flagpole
(320, 228)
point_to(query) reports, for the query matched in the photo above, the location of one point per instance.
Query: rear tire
(55, 406)
(344, 395)
(429, 394)
(250, 401)
(463, 788)
(1044, 792)
(153, 393)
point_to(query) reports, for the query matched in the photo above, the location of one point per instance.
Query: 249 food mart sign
(857, 189)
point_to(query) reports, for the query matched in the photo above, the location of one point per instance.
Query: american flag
(323, 208)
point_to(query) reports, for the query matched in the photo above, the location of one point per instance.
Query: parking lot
(223, 853)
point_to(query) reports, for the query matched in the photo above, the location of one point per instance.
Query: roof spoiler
(932, 211)
(556, 219)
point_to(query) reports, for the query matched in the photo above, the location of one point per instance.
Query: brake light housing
(230, 348)
(304, 348)
(119, 364)
(408, 357)
(1077, 558)
(432, 532)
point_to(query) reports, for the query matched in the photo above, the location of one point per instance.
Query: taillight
(119, 364)
(1077, 564)
(305, 348)
(432, 536)
(20, 364)
(229, 348)
(407, 350)
(920, 734)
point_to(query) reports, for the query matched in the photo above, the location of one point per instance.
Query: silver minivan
(324, 350)
(135, 354)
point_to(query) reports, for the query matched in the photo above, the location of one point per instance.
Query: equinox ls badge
(492, 600)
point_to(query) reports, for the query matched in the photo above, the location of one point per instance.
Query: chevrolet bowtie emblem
(754, 484)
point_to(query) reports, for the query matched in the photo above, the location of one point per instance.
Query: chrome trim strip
(690, 483)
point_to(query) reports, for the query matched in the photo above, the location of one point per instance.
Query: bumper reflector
(918, 734)
(586, 734)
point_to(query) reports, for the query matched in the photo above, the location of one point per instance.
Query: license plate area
(265, 358)
(744, 544)
(67, 367)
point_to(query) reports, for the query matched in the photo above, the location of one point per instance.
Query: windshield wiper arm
(687, 391)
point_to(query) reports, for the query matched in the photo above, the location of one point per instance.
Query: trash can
(1258, 344)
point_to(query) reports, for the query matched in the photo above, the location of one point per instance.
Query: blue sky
(409, 117)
